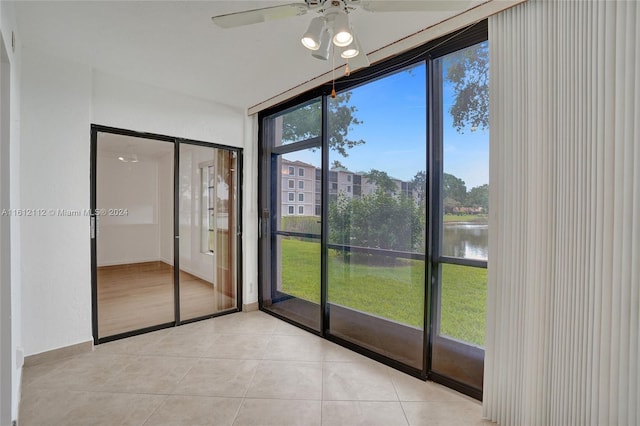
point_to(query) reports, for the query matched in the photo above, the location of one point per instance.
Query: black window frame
(427, 53)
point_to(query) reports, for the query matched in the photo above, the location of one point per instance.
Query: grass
(482, 218)
(393, 292)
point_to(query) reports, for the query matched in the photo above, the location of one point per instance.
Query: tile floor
(240, 369)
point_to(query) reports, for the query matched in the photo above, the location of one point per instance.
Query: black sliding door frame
(177, 142)
(426, 54)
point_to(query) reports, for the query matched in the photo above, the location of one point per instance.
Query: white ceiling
(174, 44)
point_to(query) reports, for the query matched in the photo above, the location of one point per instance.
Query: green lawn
(393, 292)
(465, 218)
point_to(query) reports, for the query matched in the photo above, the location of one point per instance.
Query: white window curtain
(563, 300)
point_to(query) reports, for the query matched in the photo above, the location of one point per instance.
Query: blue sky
(393, 112)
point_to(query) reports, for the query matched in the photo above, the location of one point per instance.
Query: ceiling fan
(331, 28)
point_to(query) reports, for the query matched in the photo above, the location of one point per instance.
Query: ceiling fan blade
(413, 5)
(255, 16)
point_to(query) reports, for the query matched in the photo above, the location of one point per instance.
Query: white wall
(11, 327)
(56, 111)
(135, 236)
(60, 101)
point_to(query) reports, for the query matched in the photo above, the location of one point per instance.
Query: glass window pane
(465, 180)
(377, 214)
(298, 124)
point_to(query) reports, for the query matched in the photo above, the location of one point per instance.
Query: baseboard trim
(250, 307)
(58, 354)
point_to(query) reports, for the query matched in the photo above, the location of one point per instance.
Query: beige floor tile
(111, 409)
(246, 323)
(275, 412)
(451, 413)
(336, 353)
(150, 374)
(180, 410)
(287, 380)
(60, 407)
(218, 377)
(284, 327)
(40, 406)
(362, 413)
(87, 372)
(181, 343)
(134, 345)
(357, 382)
(295, 348)
(413, 389)
(238, 346)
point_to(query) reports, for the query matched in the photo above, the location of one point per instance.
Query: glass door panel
(295, 240)
(207, 223)
(134, 234)
(462, 245)
(377, 211)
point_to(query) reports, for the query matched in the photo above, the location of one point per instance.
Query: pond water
(465, 239)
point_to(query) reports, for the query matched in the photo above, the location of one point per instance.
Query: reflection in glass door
(134, 233)
(207, 199)
(165, 239)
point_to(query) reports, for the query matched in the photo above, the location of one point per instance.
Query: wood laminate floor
(139, 295)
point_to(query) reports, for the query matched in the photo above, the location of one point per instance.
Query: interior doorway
(165, 232)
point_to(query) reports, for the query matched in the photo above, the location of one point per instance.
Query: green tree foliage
(379, 220)
(454, 188)
(479, 197)
(468, 71)
(419, 185)
(306, 122)
(382, 181)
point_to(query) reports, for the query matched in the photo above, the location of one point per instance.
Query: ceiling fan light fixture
(342, 35)
(312, 38)
(325, 42)
(352, 50)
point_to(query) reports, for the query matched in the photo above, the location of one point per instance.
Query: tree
(336, 164)
(454, 188)
(419, 185)
(479, 197)
(468, 71)
(382, 181)
(306, 122)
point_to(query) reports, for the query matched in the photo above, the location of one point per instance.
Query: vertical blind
(563, 298)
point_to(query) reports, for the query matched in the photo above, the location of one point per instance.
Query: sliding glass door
(390, 256)
(461, 215)
(165, 239)
(207, 199)
(133, 233)
(294, 216)
(376, 223)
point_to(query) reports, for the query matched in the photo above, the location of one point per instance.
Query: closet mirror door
(207, 206)
(134, 234)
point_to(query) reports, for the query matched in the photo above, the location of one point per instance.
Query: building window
(300, 184)
(300, 209)
(301, 198)
(292, 196)
(291, 210)
(348, 189)
(208, 207)
(348, 178)
(334, 186)
(292, 184)
(300, 171)
(292, 171)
